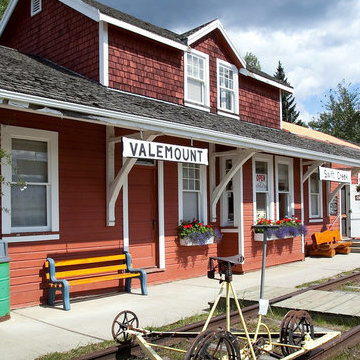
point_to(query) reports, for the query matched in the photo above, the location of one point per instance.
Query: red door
(143, 216)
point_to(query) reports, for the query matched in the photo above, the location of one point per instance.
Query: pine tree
(288, 105)
(252, 60)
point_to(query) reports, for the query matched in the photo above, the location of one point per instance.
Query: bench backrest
(73, 268)
(327, 236)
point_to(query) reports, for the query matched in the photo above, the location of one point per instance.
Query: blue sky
(317, 41)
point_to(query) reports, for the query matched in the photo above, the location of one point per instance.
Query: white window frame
(318, 217)
(270, 164)
(234, 112)
(205, 104)
(202, 194)
(289, 162)
(36, 7)
(224, 208)
(51, 138)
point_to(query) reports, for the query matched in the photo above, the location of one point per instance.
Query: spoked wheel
(214, 345)
(121, 323)
(294, 326)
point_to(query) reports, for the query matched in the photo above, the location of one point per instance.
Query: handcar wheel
(214, 345)
(121, 324)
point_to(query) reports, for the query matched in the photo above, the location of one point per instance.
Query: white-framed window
(192, 192)
(36, 7)
(284, 174)
(230, 199)
(197, 89)
(315, 196)
(227, 88)
(263, 187)
(30, 205)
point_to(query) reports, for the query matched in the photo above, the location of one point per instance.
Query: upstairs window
(227, 87)
(197, 79)
(36, 7)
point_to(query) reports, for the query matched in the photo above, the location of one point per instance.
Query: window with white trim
(228, 197)
(36, 7)
(263, 187)
(32, 203)
(315, 196)
(284, 188)
(197, 79)
(227, 87)
(192, 192)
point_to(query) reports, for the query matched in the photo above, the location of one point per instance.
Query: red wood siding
(259, 103)
(144, 67)
(58, 33)
(82, 208)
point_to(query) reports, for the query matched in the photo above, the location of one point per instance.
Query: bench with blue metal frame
(62, 274)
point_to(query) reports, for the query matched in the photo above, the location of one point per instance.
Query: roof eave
(215, 25)
(116, 118)
(258, 77)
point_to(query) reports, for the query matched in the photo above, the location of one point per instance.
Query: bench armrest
(52, 272)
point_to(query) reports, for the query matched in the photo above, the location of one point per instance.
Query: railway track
(348, 339)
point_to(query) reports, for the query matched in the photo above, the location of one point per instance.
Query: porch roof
(39, 82)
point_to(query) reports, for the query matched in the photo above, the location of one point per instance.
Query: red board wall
(145, 67)
(57, 33)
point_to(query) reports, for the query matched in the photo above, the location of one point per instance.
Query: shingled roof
(27, 75)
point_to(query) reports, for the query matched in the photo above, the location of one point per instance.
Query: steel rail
(347, 339)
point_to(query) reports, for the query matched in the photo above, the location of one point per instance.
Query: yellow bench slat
(89, 271)
(88, 260)
(97, 278)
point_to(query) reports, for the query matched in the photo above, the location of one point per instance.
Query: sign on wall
(335, 175)
(261, 182)
(167, 152)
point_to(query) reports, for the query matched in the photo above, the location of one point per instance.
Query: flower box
(186, 241)
(260, 237)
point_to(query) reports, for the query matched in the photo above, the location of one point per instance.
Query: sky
(317, 41)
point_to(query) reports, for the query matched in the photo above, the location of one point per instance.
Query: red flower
(298, 220)
(201, 224)
(190, 226)
(278, 222)
(207, 226)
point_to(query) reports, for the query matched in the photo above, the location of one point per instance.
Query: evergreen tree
(341, 117)
(288, 105)
(3, 5)
(252, 60)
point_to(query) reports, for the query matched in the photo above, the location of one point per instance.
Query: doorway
(143, 215)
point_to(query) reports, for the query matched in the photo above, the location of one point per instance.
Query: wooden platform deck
(332, 302)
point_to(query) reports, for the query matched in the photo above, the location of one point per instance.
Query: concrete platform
(38, 330)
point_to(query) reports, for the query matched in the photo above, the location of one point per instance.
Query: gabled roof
(41, 83)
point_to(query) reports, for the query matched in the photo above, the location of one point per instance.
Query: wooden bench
(328, 243)
(62, 274)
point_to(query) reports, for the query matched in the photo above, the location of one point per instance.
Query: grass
(324, 280)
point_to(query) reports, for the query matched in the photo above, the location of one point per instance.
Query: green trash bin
(4, 283)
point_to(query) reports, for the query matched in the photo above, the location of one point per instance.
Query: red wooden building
(77, 77)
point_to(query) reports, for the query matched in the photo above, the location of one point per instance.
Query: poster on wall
(261, 182)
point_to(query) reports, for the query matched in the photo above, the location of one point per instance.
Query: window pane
(226, 99)
(283, 177)
(315, 205)
(314, 183)
(230, 203)
(284, 205)
(261, 176)
(190, 206)
(195, 90)
(29, 160)
(261, 205)
(28, 207)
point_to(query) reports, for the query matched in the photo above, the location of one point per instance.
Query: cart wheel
(214, 345)
(121, 323)
(294, 326)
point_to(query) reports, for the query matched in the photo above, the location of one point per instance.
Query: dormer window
(35, 7)
(196, 66)
(227, 88)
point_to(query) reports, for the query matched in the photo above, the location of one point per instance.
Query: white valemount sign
(158, 151)
(334, 175)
